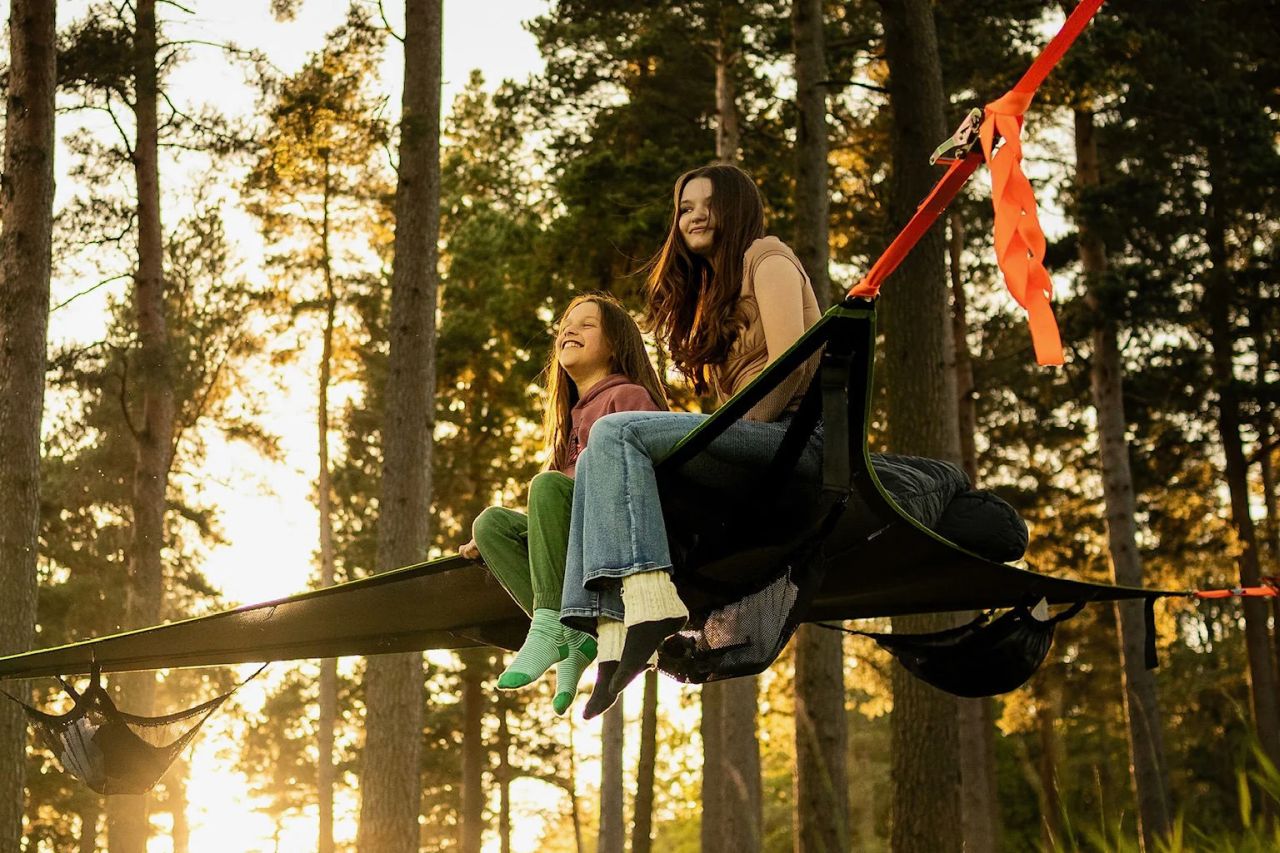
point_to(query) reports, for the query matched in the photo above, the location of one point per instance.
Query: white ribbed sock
(651, 597)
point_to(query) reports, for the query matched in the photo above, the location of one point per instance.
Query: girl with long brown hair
(598, 365)
(725, 300)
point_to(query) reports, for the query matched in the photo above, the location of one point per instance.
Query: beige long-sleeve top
(773, 311)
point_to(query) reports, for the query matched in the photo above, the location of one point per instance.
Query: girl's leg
(550, 506)
(502, 535)
(623, 538)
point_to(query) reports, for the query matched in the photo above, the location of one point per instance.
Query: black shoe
(643, 639)
(602, 697)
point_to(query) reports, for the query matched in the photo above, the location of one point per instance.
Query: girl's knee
(488, 525)
(550, 483)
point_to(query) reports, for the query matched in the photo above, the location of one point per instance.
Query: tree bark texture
(743, 815)
(1051, 798)
(612, 835)
(90, 814)
(711, 728)
(1147, 764)
(26, 210)
(642, 821)
(820, 820)
(471, 821)
(151, 370)
(1262, 676)
(731, 755)
(394, 684)
(504, 783)
(922, 417)
(812, 202)
(728, 132)
(328, 687)
(821, 808)
(980, 808)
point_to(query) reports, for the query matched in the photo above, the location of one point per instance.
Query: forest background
(201, 375)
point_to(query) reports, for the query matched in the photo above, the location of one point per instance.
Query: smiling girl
(598, 365)
(725, 300)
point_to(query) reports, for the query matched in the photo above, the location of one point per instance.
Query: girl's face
(696, 224)
(581, 347)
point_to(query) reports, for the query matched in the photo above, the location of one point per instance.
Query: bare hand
(470, 551)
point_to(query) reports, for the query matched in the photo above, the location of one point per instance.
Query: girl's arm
(779, 290)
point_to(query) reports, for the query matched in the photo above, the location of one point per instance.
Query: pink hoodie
(614, 393)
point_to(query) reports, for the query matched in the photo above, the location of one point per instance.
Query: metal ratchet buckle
(958, 146)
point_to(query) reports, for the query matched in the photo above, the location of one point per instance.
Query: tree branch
(87, 291)
(382, 12)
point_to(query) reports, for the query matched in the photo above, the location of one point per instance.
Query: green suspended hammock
(855, 554)
(841, 549)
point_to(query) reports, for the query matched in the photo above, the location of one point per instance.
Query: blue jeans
(616, 528)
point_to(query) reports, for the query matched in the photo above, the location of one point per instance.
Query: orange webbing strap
(928, 211)
(1267, 591)
(1019, 240)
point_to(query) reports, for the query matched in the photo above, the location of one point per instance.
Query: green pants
(526, 553)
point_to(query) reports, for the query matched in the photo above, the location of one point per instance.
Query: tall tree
(612, 834)
(820, 810)
(389, 803)
(922, 417)
(1106, 372)
(642, 822)
(153, 431)
(471, 819)
(316, 188)
(980, 807)
(26, 227)
(733, 765)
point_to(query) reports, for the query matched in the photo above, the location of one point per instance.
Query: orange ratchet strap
(1019, 239)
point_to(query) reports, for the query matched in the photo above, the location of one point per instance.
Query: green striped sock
(543, 648)
(582, 651)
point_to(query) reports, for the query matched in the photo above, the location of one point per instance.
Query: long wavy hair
(692, 299)
(627, 356)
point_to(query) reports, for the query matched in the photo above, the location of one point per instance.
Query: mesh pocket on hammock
(740, 638)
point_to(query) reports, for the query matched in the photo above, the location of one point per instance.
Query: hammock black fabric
(113, 752)
(792, 551)
(982, 658)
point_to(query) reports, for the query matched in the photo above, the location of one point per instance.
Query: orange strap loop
(1266, 591)
(1019, 239)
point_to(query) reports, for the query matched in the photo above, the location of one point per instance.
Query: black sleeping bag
(939, 495)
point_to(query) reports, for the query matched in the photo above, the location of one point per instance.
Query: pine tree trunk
(821, 809)
(732, 752)
(728, 43)
(642, 822)
(820, 820)
(612, 834)
(394, 684)
(1262, 676)
(176, 783)
(26, 211)
(89, 817)
(812, 202)
(1142, 709)
(471, 821)
(980, 809)
(127, 823)
(740, 763)
(922, 418)
(328, 699)
(504, 783)
(575, 811)
(711, 729)
(1051, 800)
